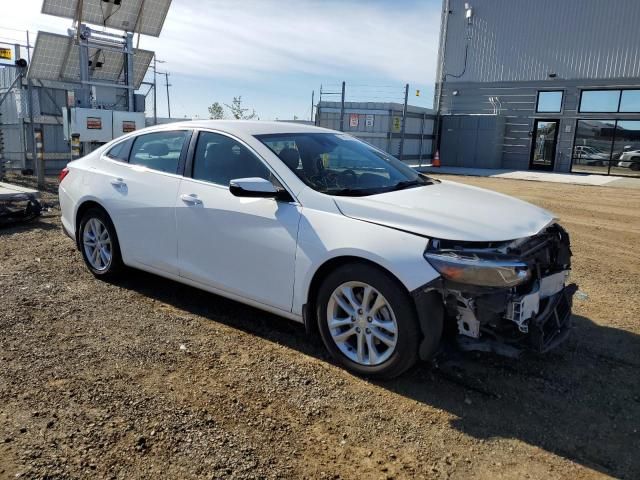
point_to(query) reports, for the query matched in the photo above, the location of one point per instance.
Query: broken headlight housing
(477, 267)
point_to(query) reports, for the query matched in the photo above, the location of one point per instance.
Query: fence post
(404, 120)
(342, 109)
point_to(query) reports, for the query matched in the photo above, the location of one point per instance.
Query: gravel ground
(146, 378)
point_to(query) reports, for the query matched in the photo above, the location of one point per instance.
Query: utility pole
(155, 87)
(167, 84)
(313, 92)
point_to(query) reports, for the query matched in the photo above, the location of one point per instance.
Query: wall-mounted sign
(6, 53)
(353, 120)
(128, 126)
(396, 124)
(369, 120)
(94, 123)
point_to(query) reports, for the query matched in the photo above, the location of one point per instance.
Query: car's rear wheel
(368, 321)
(99, 244)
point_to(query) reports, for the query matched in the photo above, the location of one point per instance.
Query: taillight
(63, 173)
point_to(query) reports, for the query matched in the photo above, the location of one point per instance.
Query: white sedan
(319, 227)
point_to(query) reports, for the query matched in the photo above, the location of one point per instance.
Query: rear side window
(120, 151)
(158, 151)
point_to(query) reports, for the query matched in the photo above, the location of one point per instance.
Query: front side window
(220, 159)
(158, 151)
(338, 164)
(549, 102)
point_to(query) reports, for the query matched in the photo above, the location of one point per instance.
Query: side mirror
(253, 187)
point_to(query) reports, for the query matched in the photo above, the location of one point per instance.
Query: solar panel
(57, 57)
(139, 16)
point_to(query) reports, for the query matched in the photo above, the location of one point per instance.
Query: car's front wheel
(368, 321)
(99, 244)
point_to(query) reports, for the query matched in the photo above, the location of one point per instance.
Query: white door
(141, 199)
(244, 246)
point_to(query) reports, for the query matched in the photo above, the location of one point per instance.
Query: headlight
(478, 268)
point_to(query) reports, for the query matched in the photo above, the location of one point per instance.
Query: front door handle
(190, 199)
(118, 183)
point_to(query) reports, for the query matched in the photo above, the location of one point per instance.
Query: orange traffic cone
(436, 159)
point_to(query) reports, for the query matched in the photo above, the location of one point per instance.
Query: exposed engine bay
(506, 297)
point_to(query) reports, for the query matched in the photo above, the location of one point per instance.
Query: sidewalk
(572, 178)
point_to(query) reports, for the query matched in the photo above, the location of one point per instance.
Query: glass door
(543, 150)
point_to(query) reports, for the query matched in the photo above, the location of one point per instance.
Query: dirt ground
(146, 378)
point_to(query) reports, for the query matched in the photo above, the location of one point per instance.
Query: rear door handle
(118, 183)
(190, 199)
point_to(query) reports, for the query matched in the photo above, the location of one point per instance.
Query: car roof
(243, 127)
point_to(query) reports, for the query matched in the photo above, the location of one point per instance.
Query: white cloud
(244, 39)
(231, 38)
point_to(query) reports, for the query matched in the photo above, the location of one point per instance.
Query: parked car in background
(630, 159)
(588, 155)
(317, 226)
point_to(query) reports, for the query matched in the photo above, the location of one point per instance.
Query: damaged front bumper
(531, 311)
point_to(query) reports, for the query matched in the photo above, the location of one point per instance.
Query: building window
(549, 102)
(599, 101)
(630, 101)
(607, 147)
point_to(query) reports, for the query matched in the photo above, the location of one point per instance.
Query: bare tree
(240, 113)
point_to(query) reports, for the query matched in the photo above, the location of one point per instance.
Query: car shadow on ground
(581, 402)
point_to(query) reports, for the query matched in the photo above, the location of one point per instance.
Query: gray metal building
(545, 84)
(385, 125)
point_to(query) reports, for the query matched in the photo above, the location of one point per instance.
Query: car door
(141, 198)
(244, 246)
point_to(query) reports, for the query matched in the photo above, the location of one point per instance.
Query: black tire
(115, 266)
(636, 165)
(405, 354)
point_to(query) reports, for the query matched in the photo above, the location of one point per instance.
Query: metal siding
(518, 105)
(519, 40)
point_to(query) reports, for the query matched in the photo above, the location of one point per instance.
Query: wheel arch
(80, 211)
(330, 265)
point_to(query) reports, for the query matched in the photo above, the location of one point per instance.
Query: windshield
(338, 164)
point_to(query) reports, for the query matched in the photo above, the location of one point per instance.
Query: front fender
(324, 236)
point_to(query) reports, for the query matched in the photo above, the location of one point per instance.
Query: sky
(274, 53)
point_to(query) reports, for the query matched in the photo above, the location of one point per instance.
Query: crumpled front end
(506, 297)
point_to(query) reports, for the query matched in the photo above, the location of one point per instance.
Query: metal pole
(421, 138)
(313, 93)
(166, 78)
(155, 92)
(342, 109)
(130, 84)
(404, 119)
(28, 49)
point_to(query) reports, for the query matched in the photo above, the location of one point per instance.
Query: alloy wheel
(97, 245)
(362, 323)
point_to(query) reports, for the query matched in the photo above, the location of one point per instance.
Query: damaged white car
(314, 225)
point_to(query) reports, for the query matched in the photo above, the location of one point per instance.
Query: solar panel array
(139, 16)
(57, 57)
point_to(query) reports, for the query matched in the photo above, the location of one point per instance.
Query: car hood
(451, 211)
